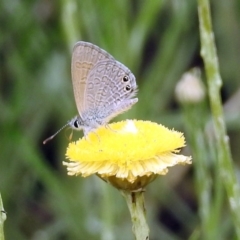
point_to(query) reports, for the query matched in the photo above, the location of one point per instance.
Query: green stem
(2, 218)
(210, 202)
(199, 153)
(69, 22)
(208, 52)
(135, 202)
(107, 213)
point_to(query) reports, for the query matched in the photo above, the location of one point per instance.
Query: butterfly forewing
(85, 57)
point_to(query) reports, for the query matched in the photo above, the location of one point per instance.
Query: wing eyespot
(125, 78)
(128, 88)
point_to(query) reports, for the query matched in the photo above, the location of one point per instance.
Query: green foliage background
(159, 41)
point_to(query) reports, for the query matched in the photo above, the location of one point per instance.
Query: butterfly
(103, 88)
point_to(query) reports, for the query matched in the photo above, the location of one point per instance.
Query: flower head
(128, 154)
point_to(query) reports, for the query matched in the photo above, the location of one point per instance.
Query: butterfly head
(76, 123)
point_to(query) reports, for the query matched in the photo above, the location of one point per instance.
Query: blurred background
(159, 41)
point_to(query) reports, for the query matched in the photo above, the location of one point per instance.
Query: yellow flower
(128, 154)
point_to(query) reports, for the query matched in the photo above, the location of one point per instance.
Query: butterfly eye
(125, 79)
(127, 88)
(76, 124)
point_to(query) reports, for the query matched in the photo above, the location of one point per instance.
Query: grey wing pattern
(85, 56)
(109, 90)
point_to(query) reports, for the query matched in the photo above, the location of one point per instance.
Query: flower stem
(210, 203)
(135, 202)
(69, 22)
(2, 218)
(208, 52)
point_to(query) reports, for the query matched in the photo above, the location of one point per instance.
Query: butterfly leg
(107, 126)
(96, 135)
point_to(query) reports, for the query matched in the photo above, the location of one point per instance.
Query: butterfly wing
(109, 91)
(84, 58)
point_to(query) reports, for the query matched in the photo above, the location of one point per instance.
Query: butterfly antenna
(50, 138)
